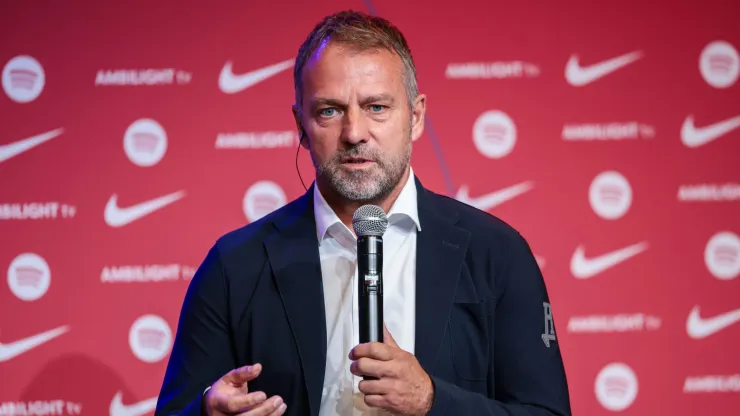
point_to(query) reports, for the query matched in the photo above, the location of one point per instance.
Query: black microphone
(370, 223)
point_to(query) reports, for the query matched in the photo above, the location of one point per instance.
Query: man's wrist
(429, 400)
(441, 398)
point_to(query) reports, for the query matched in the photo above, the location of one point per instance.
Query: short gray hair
(361, 32)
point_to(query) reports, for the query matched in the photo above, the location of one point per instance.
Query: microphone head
(369, 220)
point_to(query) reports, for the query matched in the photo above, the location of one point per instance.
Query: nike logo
(117, 408)
(231, 83)
(488, 201)
(118, 217)
(578, 75)
(584, 268)
(16, 348)
(10, 150)
(691, 136)
(698, 327)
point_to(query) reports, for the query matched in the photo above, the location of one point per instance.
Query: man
(269, 322)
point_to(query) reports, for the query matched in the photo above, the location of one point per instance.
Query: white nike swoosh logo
(10, 150)
(231, 84)
(691, 136)
(117, 408)
(118, 217)
(16, 348)
(583, 268)
(488, 201)
(578, 76)
(699, 328)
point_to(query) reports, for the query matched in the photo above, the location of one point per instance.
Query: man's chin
(361, 196)
(362, 185)
(359, 190)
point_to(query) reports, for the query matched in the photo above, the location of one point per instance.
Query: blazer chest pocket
(469, 339)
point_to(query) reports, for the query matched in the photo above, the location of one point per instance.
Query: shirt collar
(403, 209)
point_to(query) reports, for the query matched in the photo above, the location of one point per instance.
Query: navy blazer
(482, 328)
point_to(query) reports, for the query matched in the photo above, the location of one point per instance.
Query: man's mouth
(355, 160)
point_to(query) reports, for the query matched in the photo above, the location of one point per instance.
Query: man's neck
(345, 210)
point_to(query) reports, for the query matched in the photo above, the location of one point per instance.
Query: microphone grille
(369, 220)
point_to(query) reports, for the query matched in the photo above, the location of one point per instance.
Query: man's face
(357, 119)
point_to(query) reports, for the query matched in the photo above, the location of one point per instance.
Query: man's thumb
(388, 338)
(244, 374)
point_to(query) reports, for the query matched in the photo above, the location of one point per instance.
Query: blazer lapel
(294, 255)
(440, 251)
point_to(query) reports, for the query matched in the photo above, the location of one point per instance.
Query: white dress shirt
(338, 252)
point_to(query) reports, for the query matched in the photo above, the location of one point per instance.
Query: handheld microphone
(370, 223)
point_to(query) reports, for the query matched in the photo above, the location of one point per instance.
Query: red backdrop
(134, 134)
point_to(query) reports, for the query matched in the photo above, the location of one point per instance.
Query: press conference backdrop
(136, 133)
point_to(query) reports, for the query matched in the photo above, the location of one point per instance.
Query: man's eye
(327, 112)
(377, 108)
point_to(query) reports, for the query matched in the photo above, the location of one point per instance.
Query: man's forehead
(336, 68)
(331, 49)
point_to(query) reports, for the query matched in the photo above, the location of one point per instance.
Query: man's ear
(418, 113)
(303, 139)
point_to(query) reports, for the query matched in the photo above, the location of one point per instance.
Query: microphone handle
(370, 289)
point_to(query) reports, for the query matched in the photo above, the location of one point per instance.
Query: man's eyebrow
(378, 97)
(320, 101)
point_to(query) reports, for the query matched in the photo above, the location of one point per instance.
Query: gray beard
(364, 186)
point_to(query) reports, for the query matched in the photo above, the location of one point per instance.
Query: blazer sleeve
(202, 351)
(528, 372)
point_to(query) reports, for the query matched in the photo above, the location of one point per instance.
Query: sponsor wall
(134, 135)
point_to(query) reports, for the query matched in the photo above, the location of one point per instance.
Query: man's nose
(355, 129)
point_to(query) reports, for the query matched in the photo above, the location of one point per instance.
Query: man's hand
(230, 396)
(402, 388)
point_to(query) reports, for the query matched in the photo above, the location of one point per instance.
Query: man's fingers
(239, 402)
(241, 375)
(272, 407)
(374, 350)
(280, 410)
(372, 368)
(380, 387)
(376, 400)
